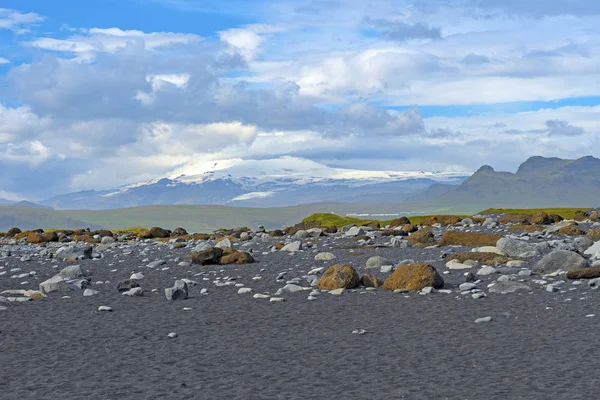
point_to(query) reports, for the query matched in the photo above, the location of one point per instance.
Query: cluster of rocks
(474, 257)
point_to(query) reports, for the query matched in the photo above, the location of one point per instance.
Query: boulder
(414, 277)
(368, 280)
(135, 292)
(570, 230)
(224, 244)
(71, 272)
(238, 257)
(74, 253)
(339, 276)
(294, 246)
(12, 232)
(399, 222)
(355, 231)
(209, 256)
(377, 262)
(55, 284)
(179, 232)
(517, 248)
(397, 241)
(107, 240)
(159, 233)
(581, 243)
(179, 291)
(559, 260)
(324, 257)
(422, 237)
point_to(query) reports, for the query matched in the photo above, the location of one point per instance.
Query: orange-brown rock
(237, 257)
(584, 273)
(369, 280)
(422, 237)
(339, 276)
(414, 277)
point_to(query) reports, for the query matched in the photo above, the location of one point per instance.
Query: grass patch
(333, 220)
(566, 213)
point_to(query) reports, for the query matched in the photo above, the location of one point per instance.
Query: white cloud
(96, 40)
(4, 61)
(17, 21)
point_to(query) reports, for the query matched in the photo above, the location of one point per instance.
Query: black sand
(540, 345)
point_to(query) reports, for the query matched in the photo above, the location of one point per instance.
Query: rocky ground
(124, 317)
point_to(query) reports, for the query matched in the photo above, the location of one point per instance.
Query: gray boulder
(377, 262)
(559, 260)
(71, 272)
(325, 257)
(517, 248)
(107, 240)
(294, 246)
(55, 284)
(355, 231)
(179, 291)
(74, 253)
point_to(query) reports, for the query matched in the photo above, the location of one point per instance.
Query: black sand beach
(539, 345)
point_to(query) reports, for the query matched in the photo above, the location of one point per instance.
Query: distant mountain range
(539, 182)
(286, 181)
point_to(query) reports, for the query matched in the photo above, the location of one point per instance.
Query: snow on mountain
(288, 171)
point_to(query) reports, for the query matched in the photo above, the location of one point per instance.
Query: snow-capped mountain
(263, 183)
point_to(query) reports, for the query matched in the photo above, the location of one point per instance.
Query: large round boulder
(414, 277)
(339, 276)
(421, 238)
(559, 260)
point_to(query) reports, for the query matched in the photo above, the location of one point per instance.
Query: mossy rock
(12, 232)
(210, 256)
(483, 257)
(593, 234)
(469, 239)
(541, 218)
(179, 231)
(35, 238)
(444, 220)
(399, 222)
(22, 235)
(368, 280)
(570, 230)
(237, 257)
(159, 233)
(422, 237)
(393, 232)
(279, 245)
(595, 216)
(339, 276)
(103, 233)
(276, 233)
(414, 277)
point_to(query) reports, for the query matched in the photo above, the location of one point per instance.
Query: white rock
(104, 308)
(261, 296)
(276, 299)
(244, 290)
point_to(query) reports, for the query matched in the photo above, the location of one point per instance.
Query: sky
(104, 93)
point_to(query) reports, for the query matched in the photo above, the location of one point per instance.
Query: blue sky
(104, 93)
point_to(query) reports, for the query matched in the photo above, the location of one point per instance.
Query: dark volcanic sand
(232, 346)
